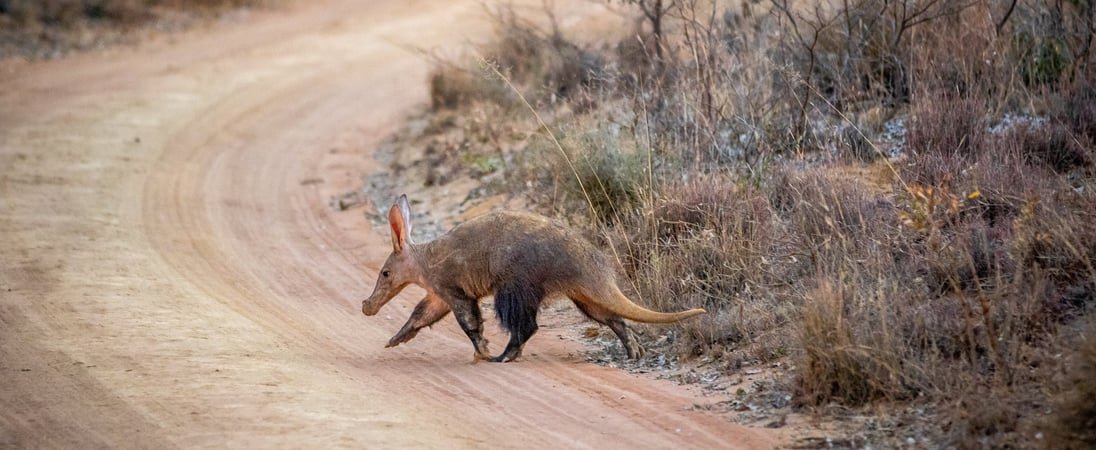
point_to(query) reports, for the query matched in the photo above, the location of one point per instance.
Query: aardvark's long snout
(370, 308)
(372, 305)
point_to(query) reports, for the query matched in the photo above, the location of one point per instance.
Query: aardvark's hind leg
(615, 323)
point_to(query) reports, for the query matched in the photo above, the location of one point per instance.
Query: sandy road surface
(170, 278)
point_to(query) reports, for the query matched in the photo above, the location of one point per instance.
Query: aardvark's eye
(385, 274)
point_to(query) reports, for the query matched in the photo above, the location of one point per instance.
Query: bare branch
(1001, 23)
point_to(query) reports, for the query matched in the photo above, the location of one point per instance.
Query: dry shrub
(67, 13)
(821, 206)
(546, 65)
(947, 142)
(38, 29)
(948, 133)
(849, 354)
(854, 56)
(983, 417)
(1075, 106)
(704, 243)
(855, 323)
(863, 53)
(1052, 42)
(453, 87)
(1031, 206)
(608, 177)
(1005, 181)
(1056, 240)
(832, 224)
(938, 306)
(1052, 145)
(1073, 423)
(852, 53)
(710, 97)
(593, 173)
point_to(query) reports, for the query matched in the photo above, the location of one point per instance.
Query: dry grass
(544, 65)
(70, 12)
(722, 170)
(1073, 423)
(702, 243)
(50, 28)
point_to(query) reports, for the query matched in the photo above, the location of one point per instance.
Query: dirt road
(170, 274)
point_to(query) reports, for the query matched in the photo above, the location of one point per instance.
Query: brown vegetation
(895, 197)
(69, 12)
(1073, 423)
(45, 28)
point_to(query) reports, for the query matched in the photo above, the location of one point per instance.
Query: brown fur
(519, 258)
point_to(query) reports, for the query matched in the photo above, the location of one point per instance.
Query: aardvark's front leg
(430, 310)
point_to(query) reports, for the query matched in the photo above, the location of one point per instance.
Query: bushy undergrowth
(69, 12)
(547, 68)
(1073, 424)
(50, 28)
(896, 196)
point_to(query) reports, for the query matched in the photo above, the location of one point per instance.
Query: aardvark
(522, 259)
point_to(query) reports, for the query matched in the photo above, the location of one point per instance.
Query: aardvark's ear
(399, 218)
(405, 211)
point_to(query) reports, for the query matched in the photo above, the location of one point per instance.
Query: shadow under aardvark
(522, 259)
